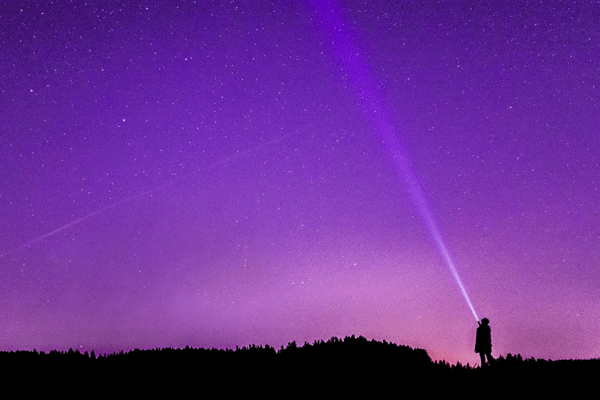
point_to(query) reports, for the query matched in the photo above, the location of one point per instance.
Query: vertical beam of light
(359, 76)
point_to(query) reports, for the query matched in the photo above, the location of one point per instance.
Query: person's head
(485, 321)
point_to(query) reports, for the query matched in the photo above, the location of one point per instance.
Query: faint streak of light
(144, 193)
(358, 73)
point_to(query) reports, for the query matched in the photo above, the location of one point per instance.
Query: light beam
(365, 87)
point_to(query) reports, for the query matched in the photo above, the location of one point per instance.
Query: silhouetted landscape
(353, 366)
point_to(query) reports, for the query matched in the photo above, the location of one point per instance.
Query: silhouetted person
(483, 342)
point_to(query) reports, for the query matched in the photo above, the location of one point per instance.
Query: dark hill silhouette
(349, 367)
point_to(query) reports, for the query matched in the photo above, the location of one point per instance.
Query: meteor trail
(144, 193)
(358, 73)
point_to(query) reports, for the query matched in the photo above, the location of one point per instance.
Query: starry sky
(225, 173)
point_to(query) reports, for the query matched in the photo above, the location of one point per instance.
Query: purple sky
(210, 174)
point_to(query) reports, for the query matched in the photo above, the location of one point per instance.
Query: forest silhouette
(349, 367)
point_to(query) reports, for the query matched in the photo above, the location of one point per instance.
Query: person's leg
(482, 355)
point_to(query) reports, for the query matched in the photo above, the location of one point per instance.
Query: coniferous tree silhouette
(348, 367)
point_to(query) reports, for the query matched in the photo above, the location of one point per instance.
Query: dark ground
(352, 367)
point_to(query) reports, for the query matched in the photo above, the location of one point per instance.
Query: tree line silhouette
(353, 366)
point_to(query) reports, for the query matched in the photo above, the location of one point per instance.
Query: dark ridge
(353, 366)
